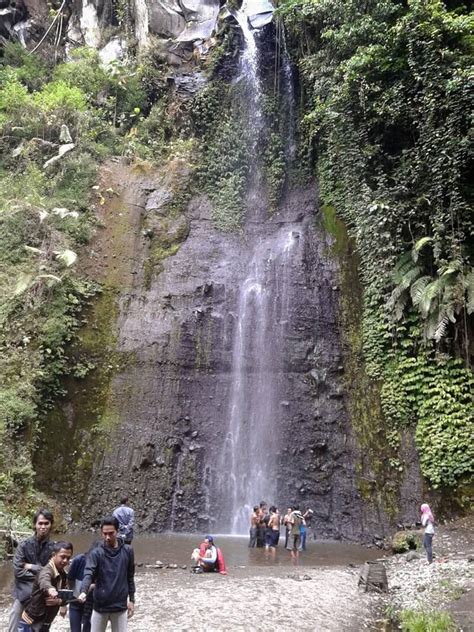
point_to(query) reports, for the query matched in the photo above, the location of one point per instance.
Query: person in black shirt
(111, 567)
(31, 555)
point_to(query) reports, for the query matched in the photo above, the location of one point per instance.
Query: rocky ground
(447, 584)
(267, 599)
(305, 598)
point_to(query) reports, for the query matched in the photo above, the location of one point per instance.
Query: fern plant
(439, 298)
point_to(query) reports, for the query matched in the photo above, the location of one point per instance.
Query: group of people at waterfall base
(99, 587)
(265, 523)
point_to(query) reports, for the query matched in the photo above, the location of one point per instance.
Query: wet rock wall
(151, 419)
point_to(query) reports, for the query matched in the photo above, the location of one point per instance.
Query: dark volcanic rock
(173, 399)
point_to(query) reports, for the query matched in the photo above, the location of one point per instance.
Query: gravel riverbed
(326, 599)
(276, 599)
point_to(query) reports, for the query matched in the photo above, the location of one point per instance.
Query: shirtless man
(254, 520)
(262, 525)
(273, 529)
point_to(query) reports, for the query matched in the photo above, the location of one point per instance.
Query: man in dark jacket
(45, 601)
(111, 567)
(30, 556)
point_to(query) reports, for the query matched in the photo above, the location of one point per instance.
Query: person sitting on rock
(208, 558)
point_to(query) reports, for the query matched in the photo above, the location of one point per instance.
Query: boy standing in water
(254, 520)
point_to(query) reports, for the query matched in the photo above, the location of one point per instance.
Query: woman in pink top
(427, 520)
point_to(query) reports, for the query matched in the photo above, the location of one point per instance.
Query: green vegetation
(404, 541)
(217, 120)
(385, 119)
(46, 218)
(10, 523)
(421, 621)
(379, 469)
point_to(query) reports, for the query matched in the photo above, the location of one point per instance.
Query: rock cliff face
(176, 25)
(156, 424)
(219, 373)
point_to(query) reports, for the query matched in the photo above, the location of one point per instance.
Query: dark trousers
(80, 617)
(428, 545)
(253, 537)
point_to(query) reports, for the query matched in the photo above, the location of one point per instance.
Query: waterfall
(250, 75)
(290, 104)
(248, 470)
(264, 310)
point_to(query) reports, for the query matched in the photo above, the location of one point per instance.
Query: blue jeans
(428, 545)
(34, 627)
(80, 618)
(303, 539)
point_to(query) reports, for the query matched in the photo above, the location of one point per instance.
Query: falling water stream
(250, 75)
(264, 312)
(262, 317)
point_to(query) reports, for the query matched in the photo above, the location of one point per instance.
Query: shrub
(423, 621)
(58, 96)
(404, 541)
(84, 72)
(17, 409)
(13, 94)
(31, 70)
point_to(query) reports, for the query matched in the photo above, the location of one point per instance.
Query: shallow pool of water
(176, 549)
